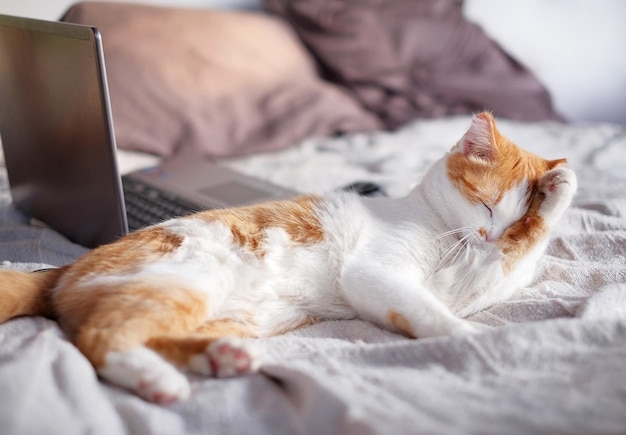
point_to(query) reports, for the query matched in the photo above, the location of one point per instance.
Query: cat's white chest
(462, 276)
(476, 279)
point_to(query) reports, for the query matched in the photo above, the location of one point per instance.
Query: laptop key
(146, 205)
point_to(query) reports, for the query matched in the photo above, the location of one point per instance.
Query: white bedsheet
(553, 361)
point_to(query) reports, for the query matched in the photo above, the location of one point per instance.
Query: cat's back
(296, 223)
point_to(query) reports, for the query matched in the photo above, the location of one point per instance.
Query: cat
(186, 294)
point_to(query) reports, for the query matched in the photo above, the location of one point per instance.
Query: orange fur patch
(179, 350)
(399, 322)
(223, 328)
(104, 318)
(27, 293)
(522, 236)
(248, 224)
(125, 255)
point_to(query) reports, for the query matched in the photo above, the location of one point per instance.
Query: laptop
(57, 133)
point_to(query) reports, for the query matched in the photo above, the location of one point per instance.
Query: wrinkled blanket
(553, 360)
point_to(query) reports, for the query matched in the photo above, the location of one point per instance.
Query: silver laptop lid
(56, 129)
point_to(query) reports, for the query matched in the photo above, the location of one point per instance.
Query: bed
(552, 361)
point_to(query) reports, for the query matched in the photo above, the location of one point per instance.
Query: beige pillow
(218, 82)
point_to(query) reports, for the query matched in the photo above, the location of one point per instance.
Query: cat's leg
(216, 348)
(146, 373)
(113, 329)
(555, 192)
(395, 300)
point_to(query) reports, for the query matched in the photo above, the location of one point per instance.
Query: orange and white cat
(187, 293)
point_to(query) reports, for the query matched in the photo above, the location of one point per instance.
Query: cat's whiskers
(456, 248)
(464, 242)
(453, 232)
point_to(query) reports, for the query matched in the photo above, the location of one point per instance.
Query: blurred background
(575, 47)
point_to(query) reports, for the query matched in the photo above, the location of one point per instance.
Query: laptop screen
(56, 129)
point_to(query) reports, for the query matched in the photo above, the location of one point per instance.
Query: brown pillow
(414, 58)
(219, 82)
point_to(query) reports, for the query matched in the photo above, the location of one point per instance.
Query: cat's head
(494, 179)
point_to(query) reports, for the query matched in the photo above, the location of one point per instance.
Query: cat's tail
(27, 294)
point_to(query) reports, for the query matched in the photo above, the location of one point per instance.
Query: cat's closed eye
(488, 208)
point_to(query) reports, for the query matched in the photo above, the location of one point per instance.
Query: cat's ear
(479, 141)
(554, 163)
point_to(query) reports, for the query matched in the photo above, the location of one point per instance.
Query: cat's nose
(485, 234)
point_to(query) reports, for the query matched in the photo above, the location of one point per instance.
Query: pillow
(414, 58)
(220, 83)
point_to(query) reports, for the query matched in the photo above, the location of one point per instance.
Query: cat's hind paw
(164, 388)
(147, 374)
(226, 357)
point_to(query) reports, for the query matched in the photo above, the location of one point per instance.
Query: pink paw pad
(158, 397)
(232, 357)
(163, 393)
(554, 178)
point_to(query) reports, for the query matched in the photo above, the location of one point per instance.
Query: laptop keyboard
(146, 205)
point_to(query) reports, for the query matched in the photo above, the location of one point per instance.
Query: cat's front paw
(226, 357)
(556, 191)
